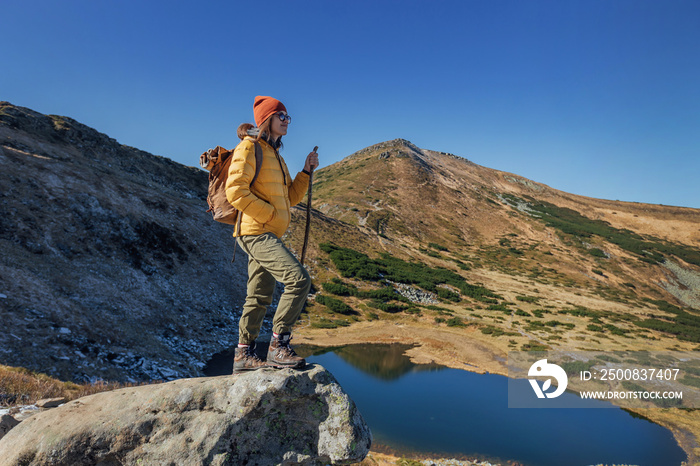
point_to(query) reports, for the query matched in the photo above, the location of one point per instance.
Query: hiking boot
(246, 359)
(281, 355)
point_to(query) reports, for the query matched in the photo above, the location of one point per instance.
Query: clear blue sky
(594, 97)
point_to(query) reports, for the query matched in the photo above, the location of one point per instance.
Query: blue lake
(437, 411)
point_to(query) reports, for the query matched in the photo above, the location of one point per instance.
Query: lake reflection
(450, 412)
(386, 362)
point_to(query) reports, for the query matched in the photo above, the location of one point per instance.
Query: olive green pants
(269, 261)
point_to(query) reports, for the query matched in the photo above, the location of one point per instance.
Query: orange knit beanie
(265, 106)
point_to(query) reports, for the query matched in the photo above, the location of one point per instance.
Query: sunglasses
(283, 117)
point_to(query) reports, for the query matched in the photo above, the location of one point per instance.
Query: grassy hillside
(469, 263)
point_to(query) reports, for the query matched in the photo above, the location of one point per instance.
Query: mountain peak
(400, 148)
(397, 145)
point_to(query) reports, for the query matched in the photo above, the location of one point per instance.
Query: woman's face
(278, 127)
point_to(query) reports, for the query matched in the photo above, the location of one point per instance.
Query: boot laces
(284, 346)
(251, 354)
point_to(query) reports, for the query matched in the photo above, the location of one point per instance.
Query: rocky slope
(109, 265)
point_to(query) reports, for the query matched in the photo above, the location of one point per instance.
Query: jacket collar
(263, 141)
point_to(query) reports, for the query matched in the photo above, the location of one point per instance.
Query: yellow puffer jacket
(266, 204)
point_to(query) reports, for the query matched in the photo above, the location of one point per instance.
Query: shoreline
(458, 351)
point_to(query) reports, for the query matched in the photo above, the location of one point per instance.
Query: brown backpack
(218, 161)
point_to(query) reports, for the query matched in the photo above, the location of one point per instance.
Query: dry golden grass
(19, 386)
(22, 386)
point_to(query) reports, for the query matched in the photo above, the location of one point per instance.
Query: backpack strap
(258, 161)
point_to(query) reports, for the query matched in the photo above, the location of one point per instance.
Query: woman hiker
(266, 216)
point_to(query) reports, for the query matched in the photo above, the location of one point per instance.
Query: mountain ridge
(487, 178)
(98, 241)
(399, 192)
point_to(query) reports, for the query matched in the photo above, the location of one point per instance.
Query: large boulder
(259, 418)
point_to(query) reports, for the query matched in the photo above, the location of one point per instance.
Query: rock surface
(50, 402)
(7, 422)
(262, 417)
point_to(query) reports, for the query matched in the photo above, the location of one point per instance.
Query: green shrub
(615, 330)
(582, 312)
(493, 331)
(438, 309)
(575, 367)
(328, 323)
(496, 332)
(335, 305)
(461, 264)
(533, 347)
(535, 325)
(391, 308)
(691, 381)
(488, 301)
(556, 323)
(684, 325)
(337, 289)
(324, 323)
(351, 263)
(385, 294)
(527, 299)
(455, 322)
(595, 252)
(448, 295)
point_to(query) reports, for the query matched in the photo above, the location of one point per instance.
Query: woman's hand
(311, 162)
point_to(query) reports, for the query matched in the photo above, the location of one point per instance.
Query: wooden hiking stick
(308, 214)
